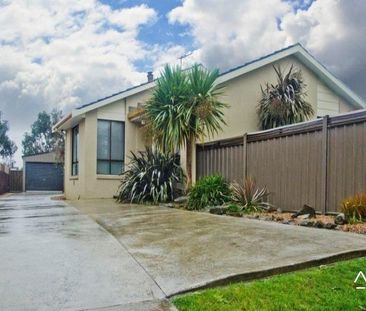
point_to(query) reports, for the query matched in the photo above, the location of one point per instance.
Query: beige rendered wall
(74, 185)
(135, 140)
(88, 184)
(242, 94)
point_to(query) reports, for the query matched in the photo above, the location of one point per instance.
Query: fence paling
(318, 163)
(16, 181)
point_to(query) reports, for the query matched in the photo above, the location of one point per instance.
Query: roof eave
(260, 63)
(123, 95)
(329, 79)
(58, 126)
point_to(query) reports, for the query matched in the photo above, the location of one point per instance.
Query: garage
(42, 172)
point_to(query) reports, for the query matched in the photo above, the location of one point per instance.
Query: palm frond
(284, 103)
(151, 177)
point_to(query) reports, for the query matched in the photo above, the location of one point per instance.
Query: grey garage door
(44, 176)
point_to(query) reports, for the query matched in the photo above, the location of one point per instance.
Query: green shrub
(234, 210)
(251, 197)
(354, 208)
(209, 191)
(151, 177)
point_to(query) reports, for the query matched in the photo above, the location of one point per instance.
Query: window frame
(110, 160)
(75, 152)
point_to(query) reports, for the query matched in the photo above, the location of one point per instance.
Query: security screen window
(110, 147)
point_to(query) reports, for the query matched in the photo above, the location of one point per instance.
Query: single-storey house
(101, 134)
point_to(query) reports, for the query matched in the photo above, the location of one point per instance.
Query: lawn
(328, 287)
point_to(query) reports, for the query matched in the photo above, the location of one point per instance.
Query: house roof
(296, 50)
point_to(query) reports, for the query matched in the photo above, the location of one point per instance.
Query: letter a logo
(362, 278)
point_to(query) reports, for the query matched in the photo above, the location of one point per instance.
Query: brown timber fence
(4, 179)
(16, 181)
(318, 163)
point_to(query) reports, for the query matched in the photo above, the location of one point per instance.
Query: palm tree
(185, 107)
(284, 103)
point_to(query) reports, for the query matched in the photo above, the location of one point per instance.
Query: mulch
(324, 219)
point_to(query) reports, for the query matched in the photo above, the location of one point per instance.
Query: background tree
(41, 138)
(284, 103)
(185, 107)
(7, 146)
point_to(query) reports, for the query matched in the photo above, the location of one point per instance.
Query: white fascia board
(59, 125)
(329, 79)
(68, 123)
(77, 112)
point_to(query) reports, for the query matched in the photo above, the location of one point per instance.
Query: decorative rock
(270, 208)
(305, 216)
(340, 219)
(305, 210)
(330, 226)
(168, 205)
(318, 224)
(279, 210)
(338, 227)
(235, 214)
(180, 200)
(218, 210)
(307, 223)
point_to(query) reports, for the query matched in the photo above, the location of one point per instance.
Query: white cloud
(65, 53)
(334, 32)
(229, 33)
(69, 52)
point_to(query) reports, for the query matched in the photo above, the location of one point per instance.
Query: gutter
(56, 127)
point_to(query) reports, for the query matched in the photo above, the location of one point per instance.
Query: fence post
(245, 159)
(324, 167)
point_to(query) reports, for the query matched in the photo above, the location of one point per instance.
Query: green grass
(328, 287)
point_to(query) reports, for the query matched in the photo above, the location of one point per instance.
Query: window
(110, 147)
(75, 151)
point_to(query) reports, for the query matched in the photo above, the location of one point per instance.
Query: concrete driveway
(98, 254)
(52, 257)
(183, 250)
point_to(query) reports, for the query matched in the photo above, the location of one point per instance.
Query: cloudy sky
(64, 53)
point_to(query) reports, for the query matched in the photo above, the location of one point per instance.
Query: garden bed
(321, 221)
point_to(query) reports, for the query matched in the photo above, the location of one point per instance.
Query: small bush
(354, 208)
(209, 191)
(234, 210)
(251, 197)
(151, 177)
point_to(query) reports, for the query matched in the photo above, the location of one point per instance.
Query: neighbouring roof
(297, 50)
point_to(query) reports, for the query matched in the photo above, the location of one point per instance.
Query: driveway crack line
(128, 252)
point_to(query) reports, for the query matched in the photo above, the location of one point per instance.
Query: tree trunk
(189, 163)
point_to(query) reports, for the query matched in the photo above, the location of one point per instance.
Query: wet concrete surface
(184, 250)
(52, 257)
